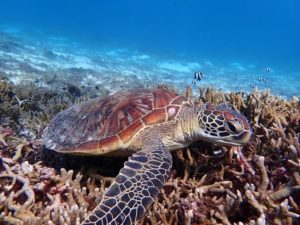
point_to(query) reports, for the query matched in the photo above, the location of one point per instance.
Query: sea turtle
(145, 124)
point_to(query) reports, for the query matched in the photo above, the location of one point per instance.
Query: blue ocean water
(231, 42)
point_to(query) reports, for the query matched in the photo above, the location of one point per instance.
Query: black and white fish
(261, 79)
(268, 69)
(198, 76)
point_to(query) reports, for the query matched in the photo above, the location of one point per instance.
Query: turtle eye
(234, 126)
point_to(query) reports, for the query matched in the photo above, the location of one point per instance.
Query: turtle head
(222, 125)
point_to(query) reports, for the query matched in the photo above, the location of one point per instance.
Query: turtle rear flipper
(134, 189)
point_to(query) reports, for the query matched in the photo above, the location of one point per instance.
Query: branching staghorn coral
(208, 184)
(35, 194)
(4, 133)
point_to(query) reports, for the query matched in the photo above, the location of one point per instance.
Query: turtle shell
(104, 125)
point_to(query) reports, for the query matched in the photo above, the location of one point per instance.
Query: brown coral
(208, 185)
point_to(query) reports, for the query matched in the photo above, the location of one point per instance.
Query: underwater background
(237, 45)
(55, 54)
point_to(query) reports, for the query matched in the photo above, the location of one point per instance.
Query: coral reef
(258, 184)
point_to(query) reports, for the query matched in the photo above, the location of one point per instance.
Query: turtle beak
(241, 139)
(238, 140)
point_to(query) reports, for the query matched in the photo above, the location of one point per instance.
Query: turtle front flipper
(134, 189)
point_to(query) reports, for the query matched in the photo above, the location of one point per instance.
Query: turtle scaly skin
(146, 124)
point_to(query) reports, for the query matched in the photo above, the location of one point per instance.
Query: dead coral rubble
(208, 184)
